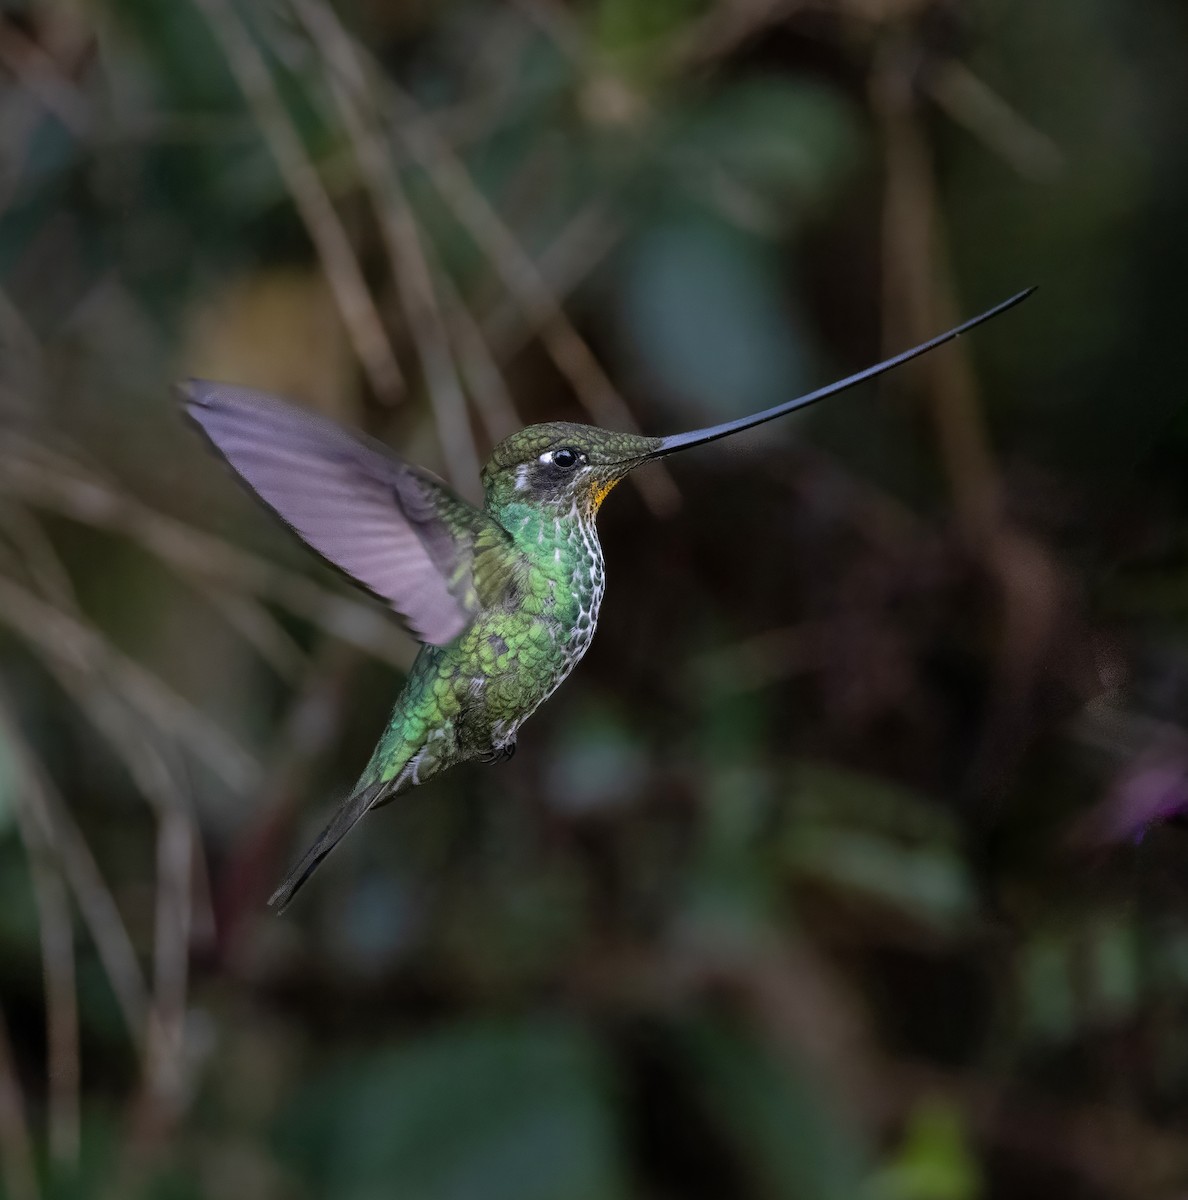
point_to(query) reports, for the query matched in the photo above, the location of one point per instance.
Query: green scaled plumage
(466, 699)
(504, 600)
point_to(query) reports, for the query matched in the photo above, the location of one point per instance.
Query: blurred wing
(392, 527)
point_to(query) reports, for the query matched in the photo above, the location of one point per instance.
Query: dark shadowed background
(846, 865)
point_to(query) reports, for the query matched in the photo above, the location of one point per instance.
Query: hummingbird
(504, 599)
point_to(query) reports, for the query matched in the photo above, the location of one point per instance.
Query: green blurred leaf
(929, 883)
(935, 1162)
(729, 890)
(792, 143)
(827, 793)
(640, 29)
(1117, 987)
(1048, 1000)
(708, 317)
(599, 760)
(791, 1138)
(482, 1112)
(867, 835)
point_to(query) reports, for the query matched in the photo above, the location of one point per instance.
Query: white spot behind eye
(546, 458)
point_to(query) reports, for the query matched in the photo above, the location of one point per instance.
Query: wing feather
(392, 527)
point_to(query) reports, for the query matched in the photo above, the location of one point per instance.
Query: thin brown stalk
(568, 349)
(101, 916)
(355, 303)
(165, 1085)
(918, 298)
(969, 100)
(61, 999)
(16, 1146)
(37, 553)
(17, 331)
(123, 730)
(452, 319)
(406, 255)
(165, 1076)
(558, 24)
(1032, 590)
(135, 744)
(71, 642)
(41, 77)
(127, 733)
(261, 630)
(419, 301)
(723, 29)
(56, 932)
(47, 823)
(563, 265)
(876, 515)
(61, 484)
(57, 949)
(163, 1038)
(492, 400)
(45, 87)
(311, 727)
(55, 584)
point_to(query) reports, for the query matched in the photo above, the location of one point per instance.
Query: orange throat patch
(598, 493)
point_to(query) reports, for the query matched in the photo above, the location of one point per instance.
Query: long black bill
(682, 441)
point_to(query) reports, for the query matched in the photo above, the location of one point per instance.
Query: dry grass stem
(37, 554)
(971, 102)
(1032, 589)
(311, 727)
(568, 349)
(165, 1073)
(724, 28)
(261, 630)
(70, 642)
(16, 1159)
(563, 266)
(406, 256)
(48, 857)
(918, 300)
(101, 915)
(61, 484)
(355, 303)
(95, 697)
(41, 77)
(520, 276)
(875, 514)
(56, 931)
(16, 331)
(61, 996)
(493, 401)
(52, 827)
(558, 24)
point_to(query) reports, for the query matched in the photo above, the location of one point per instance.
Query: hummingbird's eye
(565, 458)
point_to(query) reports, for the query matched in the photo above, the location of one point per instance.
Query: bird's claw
(499, 754)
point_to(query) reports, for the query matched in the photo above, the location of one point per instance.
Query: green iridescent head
(563, 464)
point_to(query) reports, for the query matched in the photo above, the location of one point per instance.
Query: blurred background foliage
(846, 865)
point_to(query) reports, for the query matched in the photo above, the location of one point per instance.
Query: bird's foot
(502, 753)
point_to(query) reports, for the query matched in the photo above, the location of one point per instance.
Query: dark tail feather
(351, 811)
